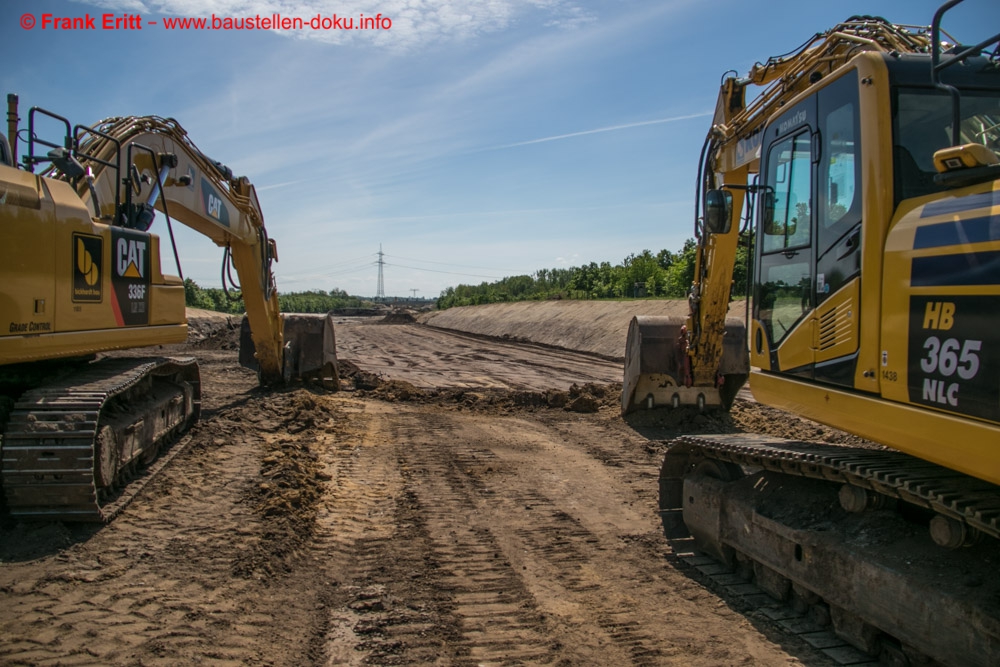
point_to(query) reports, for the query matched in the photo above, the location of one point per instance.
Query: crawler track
(768, 508)
(888, 473)
(71, 449)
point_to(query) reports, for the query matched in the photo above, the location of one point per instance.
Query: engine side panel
(940, 342)
(73, 286)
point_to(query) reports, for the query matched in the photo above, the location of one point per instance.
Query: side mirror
(66, 163)
(718, 211)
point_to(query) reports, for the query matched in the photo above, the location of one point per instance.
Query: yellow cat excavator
(866, 174)
(82, 275)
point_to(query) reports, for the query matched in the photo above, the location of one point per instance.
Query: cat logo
(88, 256)
(130, 258)
(130, 276)
(214, 205)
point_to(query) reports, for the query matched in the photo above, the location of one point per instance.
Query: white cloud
(413, 22)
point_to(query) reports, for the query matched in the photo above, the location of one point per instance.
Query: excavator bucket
(657, 371)
(310, 351)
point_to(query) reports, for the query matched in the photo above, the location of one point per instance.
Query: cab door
(838, 232)
(807, 277)
(783, 285)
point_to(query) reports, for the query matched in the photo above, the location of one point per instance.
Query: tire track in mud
(579, 557)
(497, 619)
(156, 587)
(439, 358)
(418, 584)
(500, 622)
(369, 549)
(574, 558)
(571, 553)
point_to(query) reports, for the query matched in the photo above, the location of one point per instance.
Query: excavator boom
(866, 174)
(82, 276)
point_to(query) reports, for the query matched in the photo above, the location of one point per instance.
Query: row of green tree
(313, 301)
(665, 274)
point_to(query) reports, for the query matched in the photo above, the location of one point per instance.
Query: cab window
(922, 125)
(787, 225)
(837, 171)
(783, 297)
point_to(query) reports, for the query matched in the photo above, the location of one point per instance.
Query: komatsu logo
(785, 125)
(748, 148)
(130, 258)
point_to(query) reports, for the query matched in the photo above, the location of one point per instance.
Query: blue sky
(473, 139)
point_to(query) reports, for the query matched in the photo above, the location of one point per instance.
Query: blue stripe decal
(974, 230)
(959, 204)
(971, 268)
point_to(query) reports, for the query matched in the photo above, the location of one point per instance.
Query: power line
(427, 261)
(453, 273)
(380, 290)
(331, 274)
(340, 267)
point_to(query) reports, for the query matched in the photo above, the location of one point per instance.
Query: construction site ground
(464, 500)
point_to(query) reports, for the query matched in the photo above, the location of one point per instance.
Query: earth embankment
(596, 327)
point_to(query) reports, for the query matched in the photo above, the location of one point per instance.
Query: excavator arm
(124, 168)
(703, 359)
(874, 191)
(82, 276)
(135, 163)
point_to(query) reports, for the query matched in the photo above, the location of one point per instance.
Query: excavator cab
(874, 185)
(83, 276)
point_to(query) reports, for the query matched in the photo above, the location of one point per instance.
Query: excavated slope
(598, 327)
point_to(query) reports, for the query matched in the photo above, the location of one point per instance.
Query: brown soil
(463, 501)
(399, 317)
(598, 327)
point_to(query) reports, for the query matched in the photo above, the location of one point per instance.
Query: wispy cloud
(275, 186)
(612, 128)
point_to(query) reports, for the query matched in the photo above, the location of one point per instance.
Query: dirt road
(477, 522)
(428, 357)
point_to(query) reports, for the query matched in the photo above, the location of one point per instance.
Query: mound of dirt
(353, 376)
(209, 330)
(598, 327)
(586, 398)
(292, 485)
(663, 424)
(398, 317)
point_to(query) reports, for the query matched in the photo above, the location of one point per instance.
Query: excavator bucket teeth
(656, 372)
(310, 350)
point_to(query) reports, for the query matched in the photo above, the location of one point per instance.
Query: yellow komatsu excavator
(81, 275)
(866, 175)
